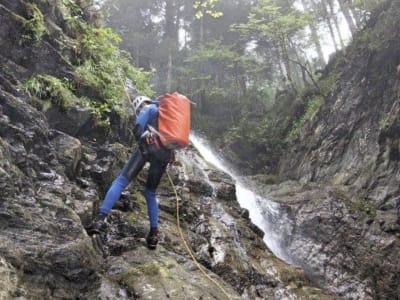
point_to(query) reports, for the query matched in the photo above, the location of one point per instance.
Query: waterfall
(264, 213)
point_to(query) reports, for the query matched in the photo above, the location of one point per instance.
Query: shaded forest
(257, 70)
(254, 68)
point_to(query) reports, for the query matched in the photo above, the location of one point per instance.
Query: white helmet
(138, 101)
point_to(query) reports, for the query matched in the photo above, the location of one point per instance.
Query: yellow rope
(199, 266)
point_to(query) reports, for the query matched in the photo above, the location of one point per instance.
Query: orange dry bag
(174, 120)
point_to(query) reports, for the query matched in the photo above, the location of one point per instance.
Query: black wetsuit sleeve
(137, 132)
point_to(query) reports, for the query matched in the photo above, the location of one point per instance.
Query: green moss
(51, 88)
(34, 24)
(131, 218)
(326, 83)
(362, 206)
(313, 106)
(100, 67)
(150, 269)
(104, 69)
(139, 206)
(357, 204)
(292, 276)
(295, 279)
(377, 37)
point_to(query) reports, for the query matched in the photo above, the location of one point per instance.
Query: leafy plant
(206, 7)
(313, 106)
(103, 68)
(34, 24)
(48, 87)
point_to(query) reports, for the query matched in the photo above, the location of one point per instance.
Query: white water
(264, 213)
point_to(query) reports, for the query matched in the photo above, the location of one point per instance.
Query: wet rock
(345, 243)
(9, 283)
(68, 150)
(224, 185)
(72, 120)
(160, 275)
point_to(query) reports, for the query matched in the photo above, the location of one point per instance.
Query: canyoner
(161, 128)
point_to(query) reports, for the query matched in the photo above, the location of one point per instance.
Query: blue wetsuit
(158, 158)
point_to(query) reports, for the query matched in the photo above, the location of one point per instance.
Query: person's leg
(128, 172)
(156, 170)
(152, 207)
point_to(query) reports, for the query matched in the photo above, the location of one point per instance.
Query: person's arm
(141, 122)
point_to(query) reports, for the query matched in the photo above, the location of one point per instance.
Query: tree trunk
(334, 17)
(201, 31)
(171, 38)
(286, 62)
(315, 38)
(169, 73)
(347, 15)
(357, 13)
(328, 22)
(316, 41)
(299, 65)
(171, 26)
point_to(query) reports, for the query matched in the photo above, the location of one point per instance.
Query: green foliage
(206, 7)
(48, 87)
(98, 43)
(366, 5)
(277, 29)
(363, 207)
(258, 138)
(357, 204)
(327, 83)
(216, 66)
(104, 69)
(255, 134)
(34, 24)
(269, 21)
(101, 67)
(107, 76)
(74, 9)
(313, 106)
(33, 86)
(377, 37)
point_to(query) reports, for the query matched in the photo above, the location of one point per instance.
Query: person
(150, 150)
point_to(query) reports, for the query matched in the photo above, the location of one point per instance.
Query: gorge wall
(340, 179)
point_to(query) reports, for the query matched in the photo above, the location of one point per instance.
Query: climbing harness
(198, 265)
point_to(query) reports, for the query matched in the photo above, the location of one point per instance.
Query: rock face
(344, 197)
(52, 182)
(338, 240)
(49, 190)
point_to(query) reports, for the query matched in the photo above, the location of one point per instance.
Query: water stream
(264, 213)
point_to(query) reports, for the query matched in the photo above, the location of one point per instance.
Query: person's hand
(146, 137)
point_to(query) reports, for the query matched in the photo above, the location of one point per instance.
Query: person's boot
(152, 239)
(98, 225)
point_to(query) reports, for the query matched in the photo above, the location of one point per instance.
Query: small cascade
(264, 213)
